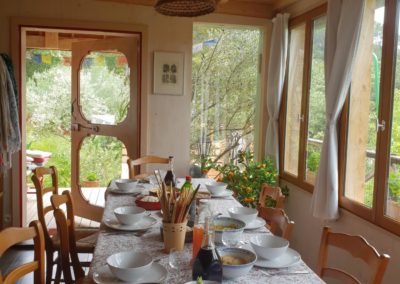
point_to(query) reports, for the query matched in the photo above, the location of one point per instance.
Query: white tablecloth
(150, 243)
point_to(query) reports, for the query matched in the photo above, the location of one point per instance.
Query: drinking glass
(231, 239)
(178, 259)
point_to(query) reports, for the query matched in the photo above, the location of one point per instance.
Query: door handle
(78, 126)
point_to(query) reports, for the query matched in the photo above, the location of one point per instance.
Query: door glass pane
(363, 111)
(101, 159)
(104, 87)
(316, 101)
(393, 184)
(294, 95)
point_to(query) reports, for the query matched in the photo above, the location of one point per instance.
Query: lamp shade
(185, 8)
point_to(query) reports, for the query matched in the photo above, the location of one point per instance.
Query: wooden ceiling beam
(257, 9)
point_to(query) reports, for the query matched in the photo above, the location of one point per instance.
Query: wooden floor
(95, 195)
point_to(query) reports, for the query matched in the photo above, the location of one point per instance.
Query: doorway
(82, 112)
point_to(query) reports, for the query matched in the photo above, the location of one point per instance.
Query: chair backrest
(12, 236)
(65, 226)
(359, 248)
(274, 192)
(279, 223)
(38, 179)
(134, 165)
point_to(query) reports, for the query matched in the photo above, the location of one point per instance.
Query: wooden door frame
(18, 25)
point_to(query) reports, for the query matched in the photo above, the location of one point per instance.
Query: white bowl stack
(244, 214)
(269, 246)
(130, 265)
(126, 184)
(216, 188)
(129, 215)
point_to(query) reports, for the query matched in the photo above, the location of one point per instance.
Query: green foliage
(246, 178)
(91, 176)
(394, 186)
(313, 160)
(224, 90)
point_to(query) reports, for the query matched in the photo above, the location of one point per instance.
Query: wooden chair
(274, 192)
(358, 247)
(12, 236)
(134, 165)
(277, 221)
(86, 236)
(66, 230)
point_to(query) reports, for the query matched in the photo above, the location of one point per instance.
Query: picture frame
(168, 73)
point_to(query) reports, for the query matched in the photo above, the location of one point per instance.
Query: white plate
(156, 274)
(137, 189)
(144, 224)
(257, 223)
(289, 258)
(224, 194)
(204, 282)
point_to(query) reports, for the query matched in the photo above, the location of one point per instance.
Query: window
(369, 128)
(304, 118)
(225, 78)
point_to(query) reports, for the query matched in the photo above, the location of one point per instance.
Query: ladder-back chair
(277, 221)
(359, 248)
(274, 192)
(13, 236)
(134, 165)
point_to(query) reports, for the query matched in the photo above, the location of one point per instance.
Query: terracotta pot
(89, 183)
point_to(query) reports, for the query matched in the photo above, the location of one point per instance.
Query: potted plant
(91, 180)
(246, 177)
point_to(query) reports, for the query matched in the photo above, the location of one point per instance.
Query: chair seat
(84, 280)
(86, 239)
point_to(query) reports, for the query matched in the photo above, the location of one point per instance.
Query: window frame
(299, 180)
(375, 214)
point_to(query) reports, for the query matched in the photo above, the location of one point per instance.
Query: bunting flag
(121, 60)
(46, 59)
(100, 60)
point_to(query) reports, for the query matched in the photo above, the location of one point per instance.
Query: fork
(276, 273)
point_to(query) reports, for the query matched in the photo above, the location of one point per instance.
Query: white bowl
(216, 188)
(244, 214)
(129, 215)
(268, 246)
(129, 265)
(126, 184)
(234, 271)
(226, 221)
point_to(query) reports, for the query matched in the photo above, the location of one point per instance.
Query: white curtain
(344, 18)
(276, 77)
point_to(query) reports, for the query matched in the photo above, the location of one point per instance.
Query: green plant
(91, 176)
(246, 177)
(394, 186)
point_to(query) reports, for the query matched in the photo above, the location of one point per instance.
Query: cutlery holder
(174, 236)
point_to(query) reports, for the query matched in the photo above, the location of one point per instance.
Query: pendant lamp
(185, 8)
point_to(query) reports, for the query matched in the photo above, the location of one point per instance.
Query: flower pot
(174, 236)
(89, 183)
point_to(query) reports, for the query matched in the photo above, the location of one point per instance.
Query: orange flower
(244, 178)
(248, 189)
(248, 199)
(230, 175)
(205, 171)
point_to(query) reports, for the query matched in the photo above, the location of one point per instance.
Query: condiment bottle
(170, 178)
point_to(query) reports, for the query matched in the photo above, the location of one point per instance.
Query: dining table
(149, 242)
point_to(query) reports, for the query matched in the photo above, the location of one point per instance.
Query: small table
(151, 244)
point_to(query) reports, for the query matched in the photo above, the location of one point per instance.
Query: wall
(307, 234)
(167, 129)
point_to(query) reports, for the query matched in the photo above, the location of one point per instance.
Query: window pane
(361, 136)
(294, 95)
(104, 90)
(316, 101)
(393, 189)
(224, 92)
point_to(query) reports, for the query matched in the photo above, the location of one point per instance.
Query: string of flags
(199, 46)
(99, 60)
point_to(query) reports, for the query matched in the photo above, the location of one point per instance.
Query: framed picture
(168, 73)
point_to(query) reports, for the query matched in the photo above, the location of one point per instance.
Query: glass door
(105, 118)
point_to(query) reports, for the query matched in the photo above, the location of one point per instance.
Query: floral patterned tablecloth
(151, 244)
